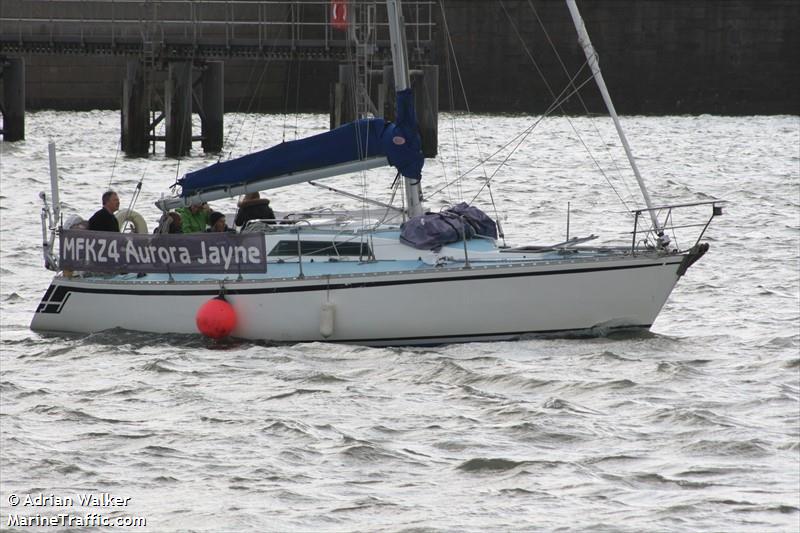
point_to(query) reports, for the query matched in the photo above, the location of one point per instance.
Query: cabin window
(321, 248)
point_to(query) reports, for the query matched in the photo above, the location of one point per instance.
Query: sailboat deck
(448, 259)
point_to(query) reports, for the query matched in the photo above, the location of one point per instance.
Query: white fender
(327, 316)
(129, 215)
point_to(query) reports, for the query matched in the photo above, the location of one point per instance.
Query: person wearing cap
(194, 218)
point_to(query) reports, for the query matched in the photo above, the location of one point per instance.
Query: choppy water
(693, 427)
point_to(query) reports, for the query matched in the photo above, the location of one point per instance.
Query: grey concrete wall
(95, 82)
(658, 57)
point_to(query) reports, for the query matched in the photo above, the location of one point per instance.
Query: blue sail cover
(399, 142)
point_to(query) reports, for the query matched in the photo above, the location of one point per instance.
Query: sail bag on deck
(431, 231)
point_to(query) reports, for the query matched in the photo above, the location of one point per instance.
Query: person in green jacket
(194, 218)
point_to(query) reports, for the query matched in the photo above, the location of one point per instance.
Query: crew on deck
(253, 207)
(194, 218)
(104, 219)
(217, 223)
(170, 223)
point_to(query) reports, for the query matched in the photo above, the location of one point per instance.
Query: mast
(401, 82)
(591, 57)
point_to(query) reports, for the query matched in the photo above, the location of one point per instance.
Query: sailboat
(408, 277)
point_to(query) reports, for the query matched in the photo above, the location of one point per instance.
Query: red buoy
(216, 318)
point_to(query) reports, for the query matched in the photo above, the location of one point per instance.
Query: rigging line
(501, 233)
(294, 62)
(297, 81)
(527, 130)
(183, 131)
(258, 86)
(505, 160)
(527, 133)
(353, 82)
(557, 103)
(447, 182)
(368, 64)
(555, 51)
(297, 99)
(527, 51)
(238, 112)
(114, 165)
(588, 114)
(552, 93)
(460, 80)
(286, 98)
(232, 144)
(134, 199)
(395, 187)
(359, 41)
(454, 134)
(453, 130)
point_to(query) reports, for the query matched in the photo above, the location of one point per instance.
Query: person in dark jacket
(253, 207)
(217, 222)
(104, 219)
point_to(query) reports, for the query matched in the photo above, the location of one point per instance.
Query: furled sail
(398, 142)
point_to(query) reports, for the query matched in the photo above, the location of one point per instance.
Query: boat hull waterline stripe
(502, 336)
(337, 286)
(435, 340)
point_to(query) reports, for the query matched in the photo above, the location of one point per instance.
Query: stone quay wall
(735, 57)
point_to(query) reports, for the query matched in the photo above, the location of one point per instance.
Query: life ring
(138, 225)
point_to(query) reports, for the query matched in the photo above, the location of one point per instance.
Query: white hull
(432, 305)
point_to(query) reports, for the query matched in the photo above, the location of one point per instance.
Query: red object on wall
(339, 14)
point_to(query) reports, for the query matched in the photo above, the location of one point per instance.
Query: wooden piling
(335, 102)
(387, 99)
(213, 83)
(135, 108)
(178, 104)
(13, 75)
(345, 95)
(426, 91)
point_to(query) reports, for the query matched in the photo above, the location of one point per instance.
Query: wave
(691, 416)
(75, 415)
(499, 464)
(732, 448)
(296, 392)
(287, 429)
(322, 377)
(559, 404)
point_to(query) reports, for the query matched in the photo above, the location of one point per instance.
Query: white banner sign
(101, 251)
